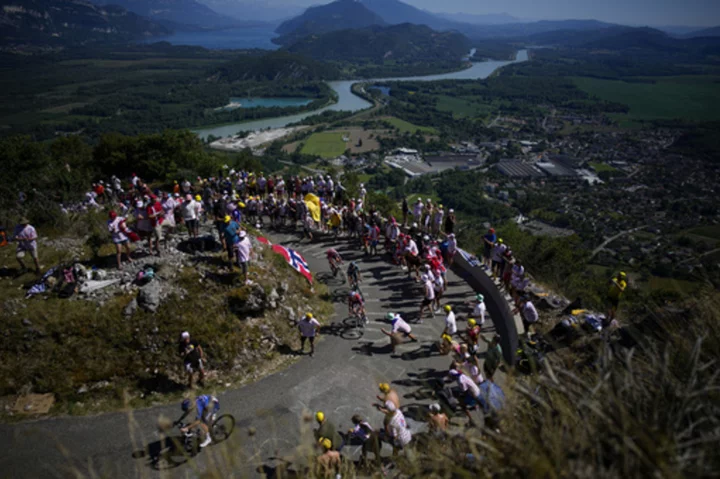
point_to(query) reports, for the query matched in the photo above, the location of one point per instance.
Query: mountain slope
(56, 23)
(522, 30)
(341, 14)
(247, 10)
(402, 43)
(707, 32)
(174, 12)
(396, 12)
(275, 66)
(486, 19)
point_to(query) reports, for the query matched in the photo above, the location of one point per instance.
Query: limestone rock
(130, 308)
(149, 297)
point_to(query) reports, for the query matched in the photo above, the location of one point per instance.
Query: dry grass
(53, 345)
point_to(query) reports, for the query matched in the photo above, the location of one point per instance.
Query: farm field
(407, 127)
(600, 167)
(693, 98)
(462, 107)
(328, 144)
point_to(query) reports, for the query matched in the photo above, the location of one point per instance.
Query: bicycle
(354, 283)
(220, 429)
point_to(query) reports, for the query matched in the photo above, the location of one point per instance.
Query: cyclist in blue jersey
(353, 274)
(206, 408)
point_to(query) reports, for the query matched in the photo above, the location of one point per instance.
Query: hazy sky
(635, 12)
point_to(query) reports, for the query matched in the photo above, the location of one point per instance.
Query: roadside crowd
(423, 244)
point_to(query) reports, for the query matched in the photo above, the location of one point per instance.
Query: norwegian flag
(295, 260)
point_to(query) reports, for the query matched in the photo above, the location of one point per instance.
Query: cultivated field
(693, 98)
(327, 144)
(407, 127)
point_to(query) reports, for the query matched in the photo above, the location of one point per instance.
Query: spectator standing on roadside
(493, 356)
(528, 312)
(169, 205)
(328, 430)
(156, 215)
(328, 463)
(618, 285)
(193, 358)
(497, 258)
(438, 421)
(451, 248)
(190, 211)
(396, 429)
(437, 220)
(26, 237)
(388, 395)
(450, 222)
(117, 229)
(480, 309)
(309, 328)
(450, 321)
(243, 248)
(230, 236)
(418, 211)
(405, 211)
(489, 241)
(428, 299)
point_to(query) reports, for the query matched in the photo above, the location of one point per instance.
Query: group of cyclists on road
(237, 198)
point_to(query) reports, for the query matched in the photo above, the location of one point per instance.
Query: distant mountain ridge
(395, 12)
(344, 14)
(705, 32)
(402, 43)
(175, 13)
(480, 19)
(60, 23)
(253, 11)
(338, 15)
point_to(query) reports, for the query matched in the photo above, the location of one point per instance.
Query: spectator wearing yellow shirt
(618, 285)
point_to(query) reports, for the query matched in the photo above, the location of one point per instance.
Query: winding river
(347, 100)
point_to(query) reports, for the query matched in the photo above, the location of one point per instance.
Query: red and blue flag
(295, 260)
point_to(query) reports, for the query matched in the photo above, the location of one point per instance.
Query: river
(348, 101)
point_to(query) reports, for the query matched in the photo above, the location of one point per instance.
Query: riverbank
(347, 100)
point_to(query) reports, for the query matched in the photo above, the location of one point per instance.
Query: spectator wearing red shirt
(156, 214)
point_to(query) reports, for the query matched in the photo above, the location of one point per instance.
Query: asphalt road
(341, 379)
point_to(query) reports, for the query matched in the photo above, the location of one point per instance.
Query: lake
(230, 39)
(348, 101)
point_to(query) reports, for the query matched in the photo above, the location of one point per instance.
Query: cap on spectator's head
(435, 407)
(454, 372)
(480, 297)
(384, 387)
(185, 335)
